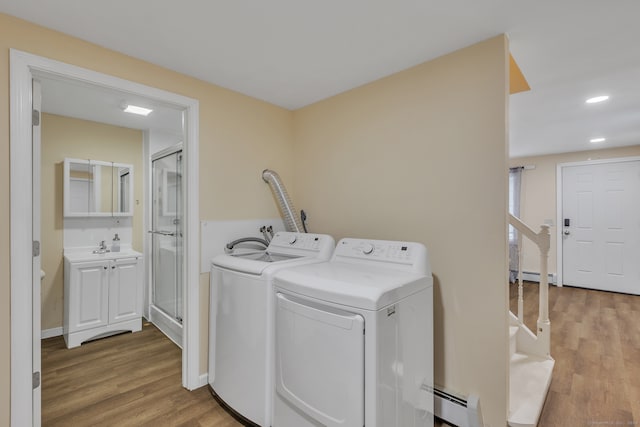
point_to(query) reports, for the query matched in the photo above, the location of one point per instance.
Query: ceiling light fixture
(134, 109)
(597, 99)
(597, 140)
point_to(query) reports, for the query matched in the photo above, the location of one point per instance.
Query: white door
(36, 267)
(601, 226)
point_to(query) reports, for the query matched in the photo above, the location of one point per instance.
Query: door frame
(22, 68)
(559, 200)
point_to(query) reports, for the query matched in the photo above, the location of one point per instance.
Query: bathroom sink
(87, 254)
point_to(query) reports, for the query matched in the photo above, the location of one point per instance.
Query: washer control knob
(367, 249)
(293, 239)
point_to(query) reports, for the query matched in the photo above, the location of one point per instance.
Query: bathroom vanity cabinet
(102, 295)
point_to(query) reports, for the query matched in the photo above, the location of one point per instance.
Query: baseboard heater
(457, 410)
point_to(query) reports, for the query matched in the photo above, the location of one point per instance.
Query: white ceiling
(66, 97)
(296, 52)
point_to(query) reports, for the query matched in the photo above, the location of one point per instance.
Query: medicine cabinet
(97, 188)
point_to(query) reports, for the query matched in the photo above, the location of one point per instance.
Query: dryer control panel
(406, 256)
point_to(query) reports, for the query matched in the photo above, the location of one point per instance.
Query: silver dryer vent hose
(291, 221)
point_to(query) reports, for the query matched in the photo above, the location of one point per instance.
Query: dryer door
(320, 361)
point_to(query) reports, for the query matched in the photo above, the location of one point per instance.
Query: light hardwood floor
(125, 380)
(595, 341)
(134, 379)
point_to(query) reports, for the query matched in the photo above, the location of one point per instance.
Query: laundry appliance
(354, 338)
(241, 320)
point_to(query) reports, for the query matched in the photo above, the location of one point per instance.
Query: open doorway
(25, 238)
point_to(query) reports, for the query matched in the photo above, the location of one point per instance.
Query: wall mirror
(97, 188)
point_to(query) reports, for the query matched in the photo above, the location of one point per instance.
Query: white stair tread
(529, 381)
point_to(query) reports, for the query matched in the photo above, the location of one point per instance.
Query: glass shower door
(167, 234)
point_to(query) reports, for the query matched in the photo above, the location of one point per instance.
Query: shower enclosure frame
(169, 324)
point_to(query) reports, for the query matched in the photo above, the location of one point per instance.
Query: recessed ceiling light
(134, 109)
(596, 99)
(596, 140)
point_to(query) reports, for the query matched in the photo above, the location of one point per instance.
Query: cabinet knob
(113, 267)
(105, 267)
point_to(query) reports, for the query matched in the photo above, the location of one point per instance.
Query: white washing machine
(354, 338)
(241, 320)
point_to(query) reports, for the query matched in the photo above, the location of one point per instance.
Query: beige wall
(80, 139)
(239, 137)
(538, 197)
(421, 155)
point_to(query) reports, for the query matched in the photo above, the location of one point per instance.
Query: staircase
(531, 364)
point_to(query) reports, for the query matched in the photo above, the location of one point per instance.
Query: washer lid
(255, 262)
(285, 249)
(265, 256)
(364, 287)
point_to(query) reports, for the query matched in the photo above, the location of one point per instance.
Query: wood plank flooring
(126, 380)
(135, 379)
(595, 341)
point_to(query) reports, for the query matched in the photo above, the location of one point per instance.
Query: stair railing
(542, 240)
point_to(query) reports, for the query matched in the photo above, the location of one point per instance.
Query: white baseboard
(203, 380)
(531, 276)
(50, 333)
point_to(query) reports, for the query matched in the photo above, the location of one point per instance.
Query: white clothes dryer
(241, 320)
(354, 338)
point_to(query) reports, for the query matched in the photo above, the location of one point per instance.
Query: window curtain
(515, 179)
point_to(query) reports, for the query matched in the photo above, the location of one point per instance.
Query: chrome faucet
(102, 249)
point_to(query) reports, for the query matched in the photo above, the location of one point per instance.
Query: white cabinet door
(124, 286)
(88, 295)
